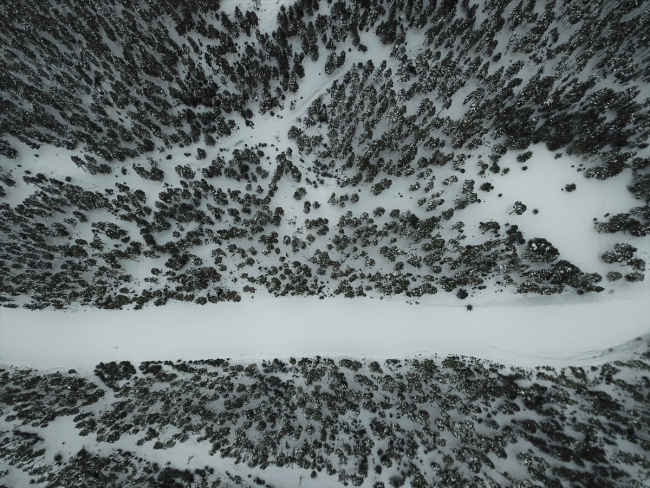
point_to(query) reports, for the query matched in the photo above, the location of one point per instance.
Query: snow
(528, 331)
(518, 332)
(504, 327)
(565, 218)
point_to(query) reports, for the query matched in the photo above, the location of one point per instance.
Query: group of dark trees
(422, 422)
(122, 82)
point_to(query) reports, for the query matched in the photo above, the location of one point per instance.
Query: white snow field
(525, 332)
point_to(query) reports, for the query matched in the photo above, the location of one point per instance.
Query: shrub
(384, 184)
(522, 158)
(375, 368)
(148, 367)
(541, 250)
(209, 140)
(614, 276)
(6, 150)
(448, 214)
(489, 226)
(396, 481)
(185, 172)
(155, 174)
(350, 364)
(634, 277)
(112, 372)
(570, 187)
(641, 187)
(518, 208)
(622, 252)
(486, 186)
(623, 222)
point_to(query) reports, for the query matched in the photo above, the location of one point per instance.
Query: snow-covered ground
(503, 327)
(524, 332)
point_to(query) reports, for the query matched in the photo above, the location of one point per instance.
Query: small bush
(299, 193)
(486, 186)
(150, 368)
(634, 277)
(185, 172)
(350, 364)
(522, 158)
(112, 372)
(614, 276)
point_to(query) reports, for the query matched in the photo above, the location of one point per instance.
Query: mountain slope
(185, 152)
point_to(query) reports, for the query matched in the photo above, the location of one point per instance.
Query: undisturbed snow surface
(523, 332)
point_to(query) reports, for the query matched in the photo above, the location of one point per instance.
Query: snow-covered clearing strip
(554, 334)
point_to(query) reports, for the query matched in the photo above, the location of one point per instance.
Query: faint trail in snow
(284, 327)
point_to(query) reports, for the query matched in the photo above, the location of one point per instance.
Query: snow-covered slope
(320, 422)
(417, 230)
(424, 150)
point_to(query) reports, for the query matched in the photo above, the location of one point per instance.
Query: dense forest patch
(201, 152)
(453, 421)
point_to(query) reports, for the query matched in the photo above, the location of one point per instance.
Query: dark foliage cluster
(419, 422)
(119, 83)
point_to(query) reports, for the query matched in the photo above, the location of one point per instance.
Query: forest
(177, 151)
(456, 422)
(205, 151)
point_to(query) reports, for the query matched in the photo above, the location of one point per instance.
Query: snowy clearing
(524, 333)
